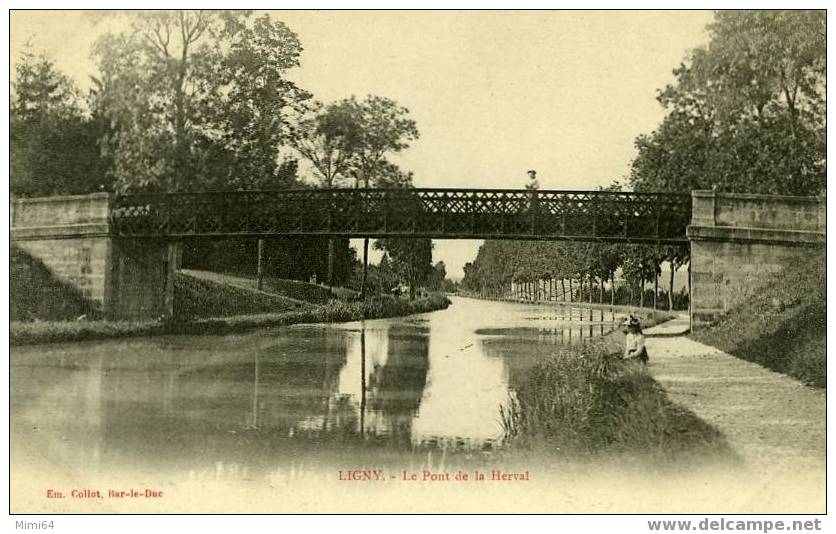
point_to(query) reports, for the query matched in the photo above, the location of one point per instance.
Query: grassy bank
(334, 311)
(211, 304)
(196, 298)
(584, 400)
(37, 293)
(308, 292)
(782, 325)
(289, 289)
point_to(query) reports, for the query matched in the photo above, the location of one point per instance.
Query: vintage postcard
(283, 262)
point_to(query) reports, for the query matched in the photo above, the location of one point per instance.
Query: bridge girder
(603, 216)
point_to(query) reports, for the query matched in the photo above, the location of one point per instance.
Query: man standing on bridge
(532, 186)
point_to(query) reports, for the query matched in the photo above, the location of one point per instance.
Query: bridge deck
(434, 213)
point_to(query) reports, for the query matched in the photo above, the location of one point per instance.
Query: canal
(271, 402)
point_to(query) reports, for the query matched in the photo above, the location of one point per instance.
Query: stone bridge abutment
(739, 239)
(127, 278)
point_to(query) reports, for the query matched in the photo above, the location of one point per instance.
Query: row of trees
(745, 114)
(197, 101)
(589, 265)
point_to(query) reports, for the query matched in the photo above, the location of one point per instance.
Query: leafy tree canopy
(53, 142)
(198, 100)
(747, 111)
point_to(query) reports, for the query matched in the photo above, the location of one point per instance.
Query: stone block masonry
(82, 262)
(126, 278)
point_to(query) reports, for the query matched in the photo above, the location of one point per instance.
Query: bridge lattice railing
(440, 213)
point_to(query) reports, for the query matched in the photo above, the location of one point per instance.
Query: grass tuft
(586, 400)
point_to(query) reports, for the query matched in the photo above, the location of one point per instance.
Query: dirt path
(775, 423)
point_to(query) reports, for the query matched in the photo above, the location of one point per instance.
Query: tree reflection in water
(288, 394)
(395, 388)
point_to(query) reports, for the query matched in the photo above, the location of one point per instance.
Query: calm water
(259, 399)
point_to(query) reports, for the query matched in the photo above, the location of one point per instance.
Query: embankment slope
(782, 325)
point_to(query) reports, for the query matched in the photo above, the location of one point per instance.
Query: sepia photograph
(419, 262)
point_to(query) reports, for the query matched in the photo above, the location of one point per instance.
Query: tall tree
(198, 99)
(329, 137)
(676, 256)
(408, 255)
(410, 258)
(254, 104)
(385, 128)
(747, 111)
(40, 89)
(436, 277)
(638, 267)
(53, 141)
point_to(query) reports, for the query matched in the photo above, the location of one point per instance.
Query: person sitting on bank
(634, 340)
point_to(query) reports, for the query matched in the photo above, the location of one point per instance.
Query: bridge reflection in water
(256, 400)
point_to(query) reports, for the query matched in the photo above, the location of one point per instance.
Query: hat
(631, 322)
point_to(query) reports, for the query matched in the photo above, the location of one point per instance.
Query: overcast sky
(494, 93)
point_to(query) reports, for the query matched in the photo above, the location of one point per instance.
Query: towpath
(773, 422)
